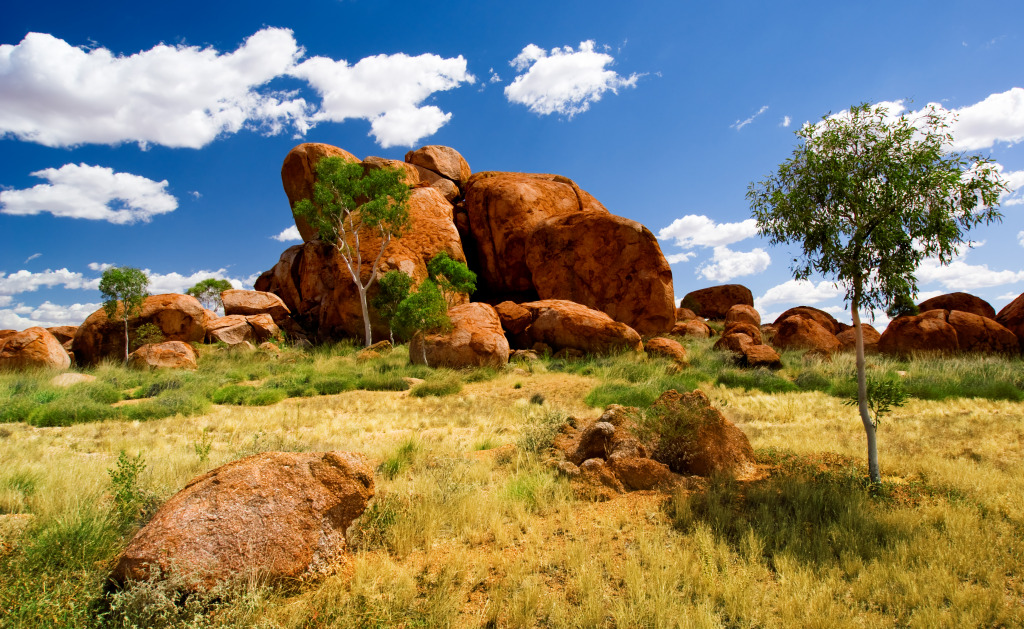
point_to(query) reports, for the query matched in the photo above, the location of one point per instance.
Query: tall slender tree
(868, 196)
(350, 207)
(124, 290)
(208, 292)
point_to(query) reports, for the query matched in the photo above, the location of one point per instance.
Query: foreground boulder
(278, 516)
(975, 333)
(802, 332)
(666, 348)
(166, 355)
(564, 324)
(32, 348)
(179, 318)
(1011, 317)
(964, 302)
(926, 332)
(714, 302)
(475, 340)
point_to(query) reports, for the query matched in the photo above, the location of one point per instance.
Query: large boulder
(964, 302)
(693, 437)
(567, 325)
(514, 318)
(32, 348)
(315, 284)
(696, 328)
(666, 348)
(179, 318)
(926, 332)
(975, 333)
(229, 329)
(298, 172)
(278, 516)
(714, 302)
(443, 160)
(848, 338)
(166, 355)
(1011, 317)
(742, 313)
(64, 333)
(417, 176)
(802, 332)
(475, 340)
(823, 318)
(254, 302)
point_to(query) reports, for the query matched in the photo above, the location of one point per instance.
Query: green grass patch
(441, 384)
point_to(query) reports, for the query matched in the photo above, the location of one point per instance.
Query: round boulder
(714, 302)
(567, 325)
(166, 355)
(802, 332)
(32, 348)
(1011, 317)
(964, 302)
(475, 340)
(742, 313)
(926, 332)
(666, 348)
(975, 333)
(298, 172)
(823, 318)
(443, 160)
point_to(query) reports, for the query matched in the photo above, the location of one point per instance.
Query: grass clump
(442, 383)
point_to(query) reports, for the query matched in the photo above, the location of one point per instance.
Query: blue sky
(152, 136)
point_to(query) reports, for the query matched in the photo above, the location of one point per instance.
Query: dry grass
(459, 537)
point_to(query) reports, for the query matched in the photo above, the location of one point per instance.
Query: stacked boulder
(947, 331)
(742, 336)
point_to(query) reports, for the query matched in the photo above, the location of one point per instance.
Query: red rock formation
(279, 516)
(823, 318)
(565, 324)
(926, 332)
(696, 328)
(975, 333)
(847, 338)
(166, 355)
(229, 329)
(666, 348)
(965, 302)
(714, 302)
(32, 348)
(1011, 317)
(685, 314)
(476, 340)
(179, 317)
(514, 318)
(64, 334)
(742, 327)
(253, 302)
(742, 313)
(734, 342)
(298, 172)
(802, 332)
(753, 356)
(417, 176)
(443, 160)
(695, 438)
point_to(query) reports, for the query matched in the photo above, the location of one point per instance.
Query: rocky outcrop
(696, 328)
(802, 332)
(475, 340)
(278, 516)
(823, 318)
(666, 348)
(978, 334)
(926, 332)
(298, 172)
(1011, 317)
(64, 334)
(235, 329)
(693, 437)
(514, 318)
(166, 355)
(315, 284)
(848, 338)
(753, 355)
(567, 325)
(179, 318)
(254, 302)
(964, 302)
(32, 348)
(714, 302)
(417, 176)
(443, 160)
(743, 327)
(742, 313)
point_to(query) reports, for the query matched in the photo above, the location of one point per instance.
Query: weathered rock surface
(443, 160)
(316, 286)
(802, 332)
(179, 317)
(666, 348)
(166, 355)
(685, 314)
(743, 327)
(263, 326)
(254, 302)
(964, 302)
(848, 338)
(298, 172)
(417, 176)
(754, 355)
(32, 348)
(734, 342)
(564, 324)
(714, 302)
(926, 332)
(742, 313)
(514, 318)
(695, 438)
(1011, 317)
(975, 333)
(276, 515)
(696, 328)
(64, 334)
(823, 318)
(229, 329)
(476, 340)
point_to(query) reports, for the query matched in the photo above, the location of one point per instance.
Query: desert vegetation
(470, 527)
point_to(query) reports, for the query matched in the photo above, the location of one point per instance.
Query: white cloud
(290, 233)
(958, 275)
(727, 264)
(160, 283)
(676, 258)
(1020, 238)
(91, 192)
(997, 118)
(696, 230)
(45, 315)
(805, 292)
(1014, 180)
(31, 258)
(26, 281)
(387, 90)
(101, 266)
(786, 121)
(57, 94)
(740, 124)
(1008, 296)
(928, 294)
(196, 194)
(564, 81)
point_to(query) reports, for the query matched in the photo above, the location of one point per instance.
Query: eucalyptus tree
(124, 290)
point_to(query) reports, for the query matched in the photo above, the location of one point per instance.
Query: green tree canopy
(392, 289)
(867, 197)
(208, 292)
(124, 290)
(422, 312)
(350, 207)
(452, 277)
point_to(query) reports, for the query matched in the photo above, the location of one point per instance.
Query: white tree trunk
(862, 396)
(126, 338)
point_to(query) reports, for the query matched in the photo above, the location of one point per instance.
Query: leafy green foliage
(124, 289)
(902, 306)
(350, 206)
(884, 393)
(124, 485)
(425, 310)
(208, 292)
(452, 277)
(148, 333)
(392, 289)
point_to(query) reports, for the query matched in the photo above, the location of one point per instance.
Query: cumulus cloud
(290, 233)
(727, 264)
(563, 81)
(803, 291)
(1020, 238)
(387, 90)
(160, 283)
(45, 315)
(958, 275)
(1014, 180)
(57, 94)
(27, 281)
(739, 124)
(676, 258)
(91, 192)
(786, 121)
(101, 266)
(697, 230)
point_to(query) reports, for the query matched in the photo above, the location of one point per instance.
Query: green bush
(68, 411)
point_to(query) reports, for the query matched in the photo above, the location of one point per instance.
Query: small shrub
(202, 445)
(382, 382)
(124, 483)
(539, 430)
(401, 459)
